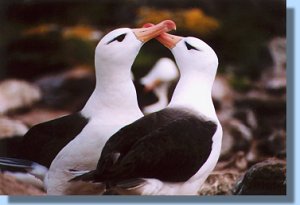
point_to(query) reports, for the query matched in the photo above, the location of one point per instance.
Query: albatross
(159, 80)
(75, 141)
(172, 151)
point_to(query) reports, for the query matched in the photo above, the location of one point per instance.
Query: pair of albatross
(170, 152)
(75, 141)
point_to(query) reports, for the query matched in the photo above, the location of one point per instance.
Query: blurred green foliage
(79, 51)
(241, 84)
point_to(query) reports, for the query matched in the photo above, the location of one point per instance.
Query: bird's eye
(119, 38)
(189, 46)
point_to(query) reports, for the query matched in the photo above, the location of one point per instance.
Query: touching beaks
(145, 34)
(168, 40)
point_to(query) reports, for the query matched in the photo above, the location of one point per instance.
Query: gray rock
(274, 144)
(68, 90)
(264, 178)
(262, 102)
(17, 94)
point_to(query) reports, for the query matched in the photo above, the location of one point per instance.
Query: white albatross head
(197, 63)
(192, 55)
(122, 45)
(164, 71)
(159, 79)
(114, 56)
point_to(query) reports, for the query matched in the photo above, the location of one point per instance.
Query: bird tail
(98, 175)
(83, 176)
(22, 165)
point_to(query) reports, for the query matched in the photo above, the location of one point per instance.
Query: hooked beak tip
(170, 24)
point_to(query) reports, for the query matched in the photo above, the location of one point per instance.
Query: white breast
(83, 153)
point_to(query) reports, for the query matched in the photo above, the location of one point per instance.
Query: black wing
(10, 146)
(42, 142)
(125, 138)
(175, 147)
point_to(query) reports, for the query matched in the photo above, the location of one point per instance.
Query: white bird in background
(159, 79)
(79, 138)
(172, 151)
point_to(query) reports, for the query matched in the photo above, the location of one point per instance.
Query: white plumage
(159, 79)
(76, 140)
(173, 151)
(112, 105)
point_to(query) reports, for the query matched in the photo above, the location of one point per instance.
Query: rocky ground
(9, 185)
(253, 157)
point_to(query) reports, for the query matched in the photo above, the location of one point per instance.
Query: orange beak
(153, 85)
(145, 34)
(168, 40)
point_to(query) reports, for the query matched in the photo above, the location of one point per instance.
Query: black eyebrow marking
(119, 38)
(189, 46)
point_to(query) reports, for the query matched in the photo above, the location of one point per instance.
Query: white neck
(162, 94)
(193, 91)
(114, 92)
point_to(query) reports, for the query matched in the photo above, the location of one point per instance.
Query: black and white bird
(172, 151)
(75, 141)
(159, 80)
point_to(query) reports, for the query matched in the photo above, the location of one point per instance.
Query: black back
(169, 145)
(10, 146)
(42, 142)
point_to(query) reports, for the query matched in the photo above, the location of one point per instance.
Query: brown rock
(11, 128)
(238, 161)
(261, 102)
(39, 115)
(10, 186)
(220, 182)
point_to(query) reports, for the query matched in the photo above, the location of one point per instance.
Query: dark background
(50, 45)
(244, 28)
